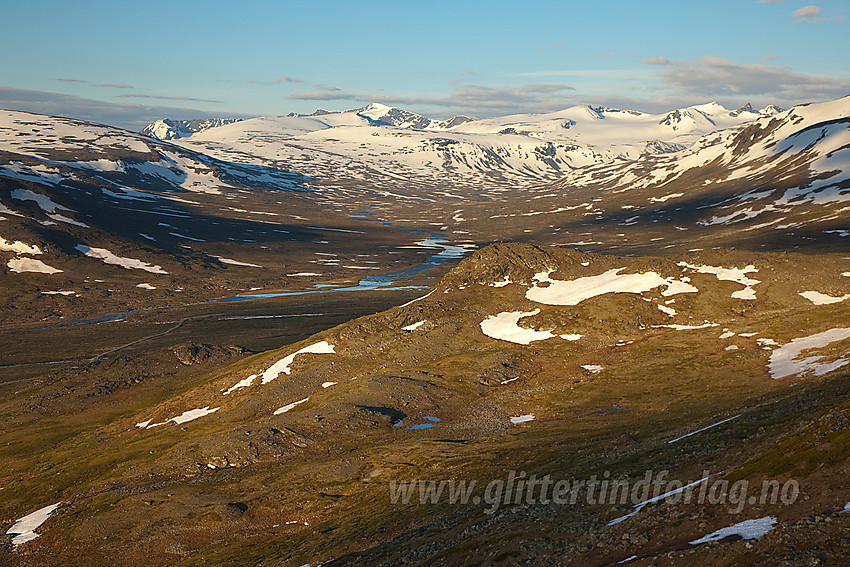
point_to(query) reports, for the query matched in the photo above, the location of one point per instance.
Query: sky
(129, 63)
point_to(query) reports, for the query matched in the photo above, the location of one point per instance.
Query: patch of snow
(747, 335)
(61, 292)
(738, 275)
(413, 326)
(109, 258)
(146, 286)
(62, 218)
(641, 505)
(668, 310)
(593, 368)
(766, 342)
(522, 418)
(193, 414)
(678, 286)
(282, 365)
(6, 210)
(504, 327)
(784, 361)
(235, 262)
(727, 334)
(573, 292)
(502, 283)
(571, 337)
(19, 247)
(746, 293)
(298, 274)
(703, 429)
(731, 347)
(508, 381)
(686, 327)
(748, 529)
(328, 384)
(184, 417)
(44, 202)
(419, 298)
(665, 197)
(288, 407)
(178, 235)
(24, 528)
(20, 265)
(822, 299)
(241, 384)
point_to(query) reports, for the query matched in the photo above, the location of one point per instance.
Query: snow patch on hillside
(573, 292)
(737, 275)
(823, 299)
(23, 529)
(19, 247)
(109, 258)
(504, 327)
(20, 265)
(748, 529)
(785, 360)
(282, 365)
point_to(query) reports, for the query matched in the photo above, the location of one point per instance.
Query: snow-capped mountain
(80, 201)
(381, 114)
(377, 145)
(168, 129)
(764, 170)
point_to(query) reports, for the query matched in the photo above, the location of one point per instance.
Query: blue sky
(125, 62)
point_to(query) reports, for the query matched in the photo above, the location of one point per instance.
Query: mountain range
(377, 145)
(233, 342)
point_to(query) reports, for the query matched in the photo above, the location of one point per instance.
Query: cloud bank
(131, 116)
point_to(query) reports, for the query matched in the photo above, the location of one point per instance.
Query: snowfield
(748, 529)
(109, 258)
(573, 292)
(788, 360)
(21, 265)
(504, 327)
(282, 365)
(23, 529)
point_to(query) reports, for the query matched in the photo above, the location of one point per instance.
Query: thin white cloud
(552, 46)
(163, 97)
(657, 61)
(807, 11)
(770, 1)
(770, 57)
(115, 86)
(610, 55)
(808, 14)
(72, 80)
(593, 73)
(279, 80)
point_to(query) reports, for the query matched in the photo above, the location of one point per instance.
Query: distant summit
(168, 129)
(748, 109)
(381, 114)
